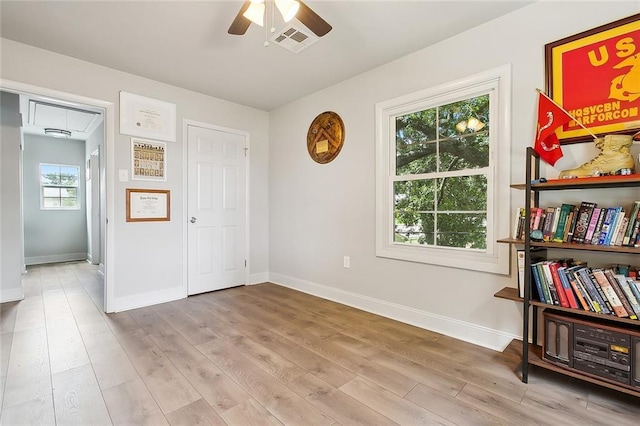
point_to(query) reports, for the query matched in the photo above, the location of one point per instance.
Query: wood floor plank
(131, 404)
(506, 409)
(105, 352)
(196, 413)
(66, 348)
(335, 403)
(451, 409)
(28, 374)
(398, 409)
(282, 402)
(30, 314)
(326, 370)
(77, 398)
(35, 412)
(220, 392)
(250, 413)
(192, 331)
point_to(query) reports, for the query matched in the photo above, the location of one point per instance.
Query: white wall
(10, 219)
(52, 235)
(320, 213)
(148, 257)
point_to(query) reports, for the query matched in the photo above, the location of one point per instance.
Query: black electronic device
(594, 348)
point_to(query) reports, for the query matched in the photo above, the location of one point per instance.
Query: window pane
(68, 192)
(69, 176)
(413, 215)
(466, 193)
(50, 174)
(416, 142)
(51, 202)
(51, 192)
(418, 230)
(69, 202)
(464, 152)
(456, 134)
(463, 230)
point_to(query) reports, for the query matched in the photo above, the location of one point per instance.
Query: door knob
(192, 220)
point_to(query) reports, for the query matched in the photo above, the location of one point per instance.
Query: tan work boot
(615, 159)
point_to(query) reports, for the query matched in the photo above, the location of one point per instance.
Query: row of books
(606, 291)
(583, 224)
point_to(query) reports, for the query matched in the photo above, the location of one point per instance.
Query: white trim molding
(12, 295)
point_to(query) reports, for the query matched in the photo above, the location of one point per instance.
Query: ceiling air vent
(294, 38)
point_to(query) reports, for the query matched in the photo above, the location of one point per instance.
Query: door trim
(107, 205)
(185, 190)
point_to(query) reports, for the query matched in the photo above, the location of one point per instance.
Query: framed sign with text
(595, 77)
(148, 205)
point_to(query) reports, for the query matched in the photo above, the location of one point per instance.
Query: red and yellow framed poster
(595, 77)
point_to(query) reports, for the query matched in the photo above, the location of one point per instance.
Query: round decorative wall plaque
(325, 137)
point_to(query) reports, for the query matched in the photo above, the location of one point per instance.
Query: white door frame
(106, 199)
(185, 190)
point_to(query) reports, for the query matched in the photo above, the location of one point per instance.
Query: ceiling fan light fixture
(287, 8)
(57, 133)
(255, 12)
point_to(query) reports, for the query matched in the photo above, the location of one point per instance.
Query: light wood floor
(262, 355)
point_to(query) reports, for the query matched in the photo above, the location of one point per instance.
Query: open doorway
(63, 177)
(61, 203)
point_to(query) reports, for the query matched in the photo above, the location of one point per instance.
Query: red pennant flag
(550, 117)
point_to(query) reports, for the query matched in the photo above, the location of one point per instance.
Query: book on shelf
(542, 296)
(605, 226)
(635, 231)
(603, 296)
(574, 219)
(608, 273)
(582, 223)
(578, 288)
(635, 287)
(615, 224)
(537, 217)
(620, 235)
(582, 275)
(626, 288)
(548, 279)
(566, 285)
(593, 221)
(561, 235)
(555, 278)
(609, 293)
(632, 219)
(554, 224)
(519, 226)
(548, 224)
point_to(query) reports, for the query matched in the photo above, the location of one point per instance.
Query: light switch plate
(123, 175)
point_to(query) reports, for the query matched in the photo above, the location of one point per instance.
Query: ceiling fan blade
(312, 21)
(240, 24)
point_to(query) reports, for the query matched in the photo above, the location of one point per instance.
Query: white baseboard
(259, 278)
(55, 258)
(468, 332)
(11, 295)
(148, 299)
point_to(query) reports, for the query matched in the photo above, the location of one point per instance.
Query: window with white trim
(59, 185)
(443, 174)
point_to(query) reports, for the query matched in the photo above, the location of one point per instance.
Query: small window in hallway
(59, 187)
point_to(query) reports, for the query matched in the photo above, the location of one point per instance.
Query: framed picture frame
(594, 76)
(148, 205)
(147, 117)
(148, 160)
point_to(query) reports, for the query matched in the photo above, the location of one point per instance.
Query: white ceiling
(185, 43)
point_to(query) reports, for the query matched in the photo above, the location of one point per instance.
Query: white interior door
(217, 209)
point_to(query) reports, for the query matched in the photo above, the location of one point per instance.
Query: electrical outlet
(347, 262)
